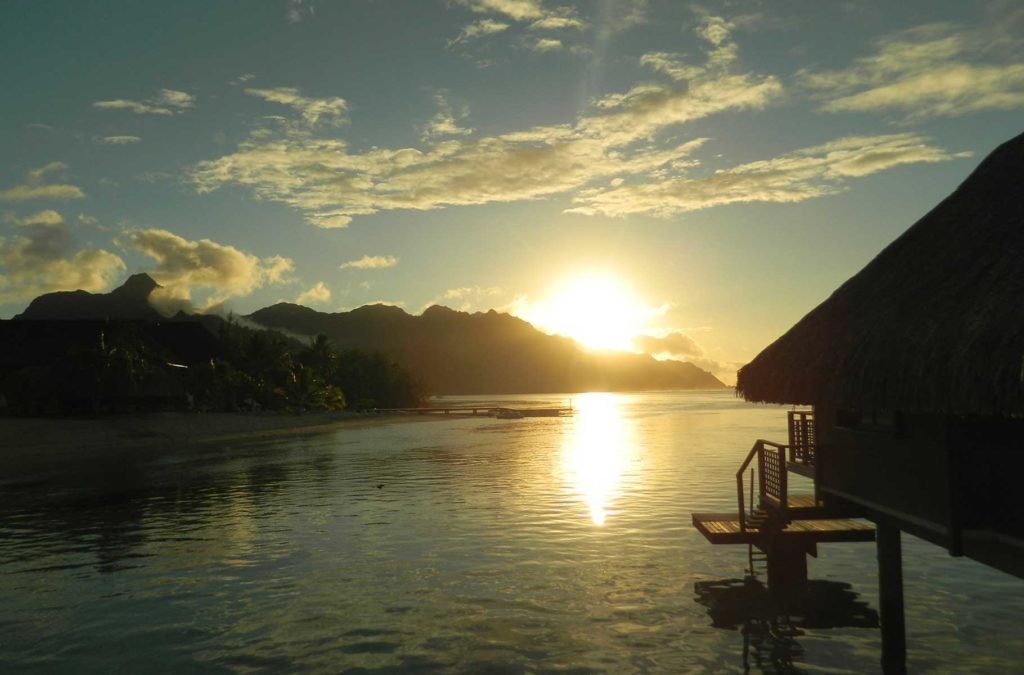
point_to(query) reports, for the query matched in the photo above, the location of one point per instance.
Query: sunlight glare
(596, 453)
(596, 310)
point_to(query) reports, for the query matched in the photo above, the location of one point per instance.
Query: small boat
(507, 414)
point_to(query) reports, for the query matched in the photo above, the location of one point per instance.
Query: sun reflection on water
(596, 452)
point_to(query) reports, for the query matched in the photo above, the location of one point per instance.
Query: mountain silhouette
(451, 352)
(456, 352)
(129, 302)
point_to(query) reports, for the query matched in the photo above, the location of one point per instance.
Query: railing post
(739, 499)
(760, 469)
(783, 481)
(791, 419)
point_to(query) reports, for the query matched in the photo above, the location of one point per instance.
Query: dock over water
(724, 528)
(479, 411)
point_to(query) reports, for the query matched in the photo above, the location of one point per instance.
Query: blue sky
(729, 164)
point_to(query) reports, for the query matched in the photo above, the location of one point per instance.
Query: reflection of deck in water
(771, 624)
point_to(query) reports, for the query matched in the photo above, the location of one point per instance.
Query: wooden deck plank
(724, 528)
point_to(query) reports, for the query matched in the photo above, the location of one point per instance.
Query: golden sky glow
(723, 164)
(595, 309)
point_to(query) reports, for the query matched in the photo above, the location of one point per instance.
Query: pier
(479, 411)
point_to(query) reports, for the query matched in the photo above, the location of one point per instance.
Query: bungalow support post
(890, 600)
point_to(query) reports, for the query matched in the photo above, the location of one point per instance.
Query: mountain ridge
(491, 352)
(451, 351)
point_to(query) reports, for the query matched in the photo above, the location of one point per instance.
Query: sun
(596, 310)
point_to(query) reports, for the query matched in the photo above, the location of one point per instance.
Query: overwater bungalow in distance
(915, 371)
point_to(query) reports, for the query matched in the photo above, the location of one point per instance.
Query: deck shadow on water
(771, 624)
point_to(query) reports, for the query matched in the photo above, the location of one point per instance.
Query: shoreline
(31, 435)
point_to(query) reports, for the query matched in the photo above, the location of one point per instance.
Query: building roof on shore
(935, 323)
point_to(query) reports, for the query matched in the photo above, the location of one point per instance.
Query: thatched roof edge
(935, 323)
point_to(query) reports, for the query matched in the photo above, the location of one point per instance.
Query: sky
(700, 175)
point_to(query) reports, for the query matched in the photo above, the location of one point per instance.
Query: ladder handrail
(739, 483)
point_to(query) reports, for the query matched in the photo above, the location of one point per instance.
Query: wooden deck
(795, 502)
(724, 528)
(805, 470)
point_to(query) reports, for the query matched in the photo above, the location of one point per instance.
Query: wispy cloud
(36, 187)
(477, 29)
(118, 140)
(564, 21)
(46, 217)
(331, 109)
(297, 10)
(166, 102)
(804, 174)
(936, 70)
(679, 346)
(318, 294)
(370, 262)
(43, 257)
(672, 344)
(534, 13)
(519, 10)
(546, 45)
(444, 122)
(467, 298)
(184, 266)
(332, 184)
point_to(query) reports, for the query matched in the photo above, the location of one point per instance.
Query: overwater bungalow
(914, 374)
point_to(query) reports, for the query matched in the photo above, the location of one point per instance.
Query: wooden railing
(772, 478)
(802, 441)
(739, 484)
(771, 465)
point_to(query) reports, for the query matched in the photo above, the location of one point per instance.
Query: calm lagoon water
(455, 545)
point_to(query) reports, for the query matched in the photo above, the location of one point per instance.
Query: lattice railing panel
(772, 472)
(802, 441)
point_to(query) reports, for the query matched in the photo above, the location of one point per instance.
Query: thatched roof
(935, 323)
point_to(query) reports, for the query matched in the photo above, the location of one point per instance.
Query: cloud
(43, 257)
(519, 10)
(804, 174)
(677, 346)
(317, 294)
(540, 18)
(370, 262)
(546, 45)
(621, 16)
(296, 11)
(332, 184)
(184, 266)
(935, 70)
(672, 344)
(467, 298)
(118, 140)
(477, 29)
(444, 123)
(34, 186)
(242, 79)
(568, 20)
(166, 102)
(671, 65)
(331, 109)
(46, 217)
